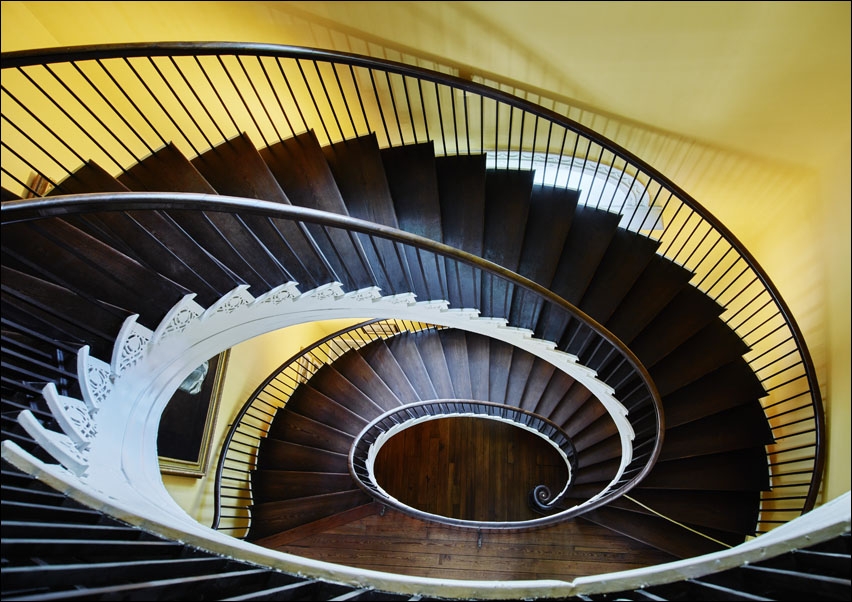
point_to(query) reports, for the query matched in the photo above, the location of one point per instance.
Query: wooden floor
(469, 468)
(392, 541)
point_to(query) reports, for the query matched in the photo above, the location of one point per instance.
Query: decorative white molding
(60, 446)
(178, 318)
(130, 345)
(95, 377)
(72, 415)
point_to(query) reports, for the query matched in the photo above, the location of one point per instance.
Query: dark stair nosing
(296, 428)
(738, 470)
(274, 517)
(738, 428)
(360, 373)
(408, 356)
(386, 367)
(432, 353)
(454, 343)
(274, 485)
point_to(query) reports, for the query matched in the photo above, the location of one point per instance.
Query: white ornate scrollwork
(331, 290)
(178, 318)
(130, 345)
(60, 446)
(96, 379)
(232, 301)
(280, 294)
(72, 415)
(365, 294)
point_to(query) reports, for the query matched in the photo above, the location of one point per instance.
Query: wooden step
(599, 430)
(435, 361)
(554, 393)
(300, 167)
(224, 235)
(690, 311)
(274, 517)
(274, 485)
(587, 242)
(358, 371)
(626, 258)
(333, 385)
(454, 343)
(575, 398)
(731, 511)
(295, 428)
(499, 367)
(540, 376)
(712, 347)
(740, 470)
(727, 387)
(387, 368)
(413, 182)
(738, 428)
(302, 171)
(309, 402)
(654, 531)
(604, 450)
(551, 211)
(655, 287)
(55, 251)
(407, 354)
(358, 170)
(282, 455)
(60, 313)
(165, 170)
(412, 179)
(519, 376)
(479, 352)
(235, 168)
(507, 201)
(461, 191)
(91, 177)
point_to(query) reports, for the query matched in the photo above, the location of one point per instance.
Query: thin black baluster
(395, 111)
(292, 95)
(360, 101)
(328, 99)
(313, 101)
(379, 105)
(139, 112)
(114, 110)
(345, 100)
(69, 117)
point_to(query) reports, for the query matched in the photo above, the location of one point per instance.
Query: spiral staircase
(638, 333)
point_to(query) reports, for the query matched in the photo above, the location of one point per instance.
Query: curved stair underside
(79, 278)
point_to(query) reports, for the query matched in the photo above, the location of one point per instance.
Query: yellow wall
(744, 105)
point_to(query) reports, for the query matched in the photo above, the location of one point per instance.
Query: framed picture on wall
(186, 427)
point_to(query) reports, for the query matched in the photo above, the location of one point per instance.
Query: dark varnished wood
(273, 517)
(399, 543)
(468, 468)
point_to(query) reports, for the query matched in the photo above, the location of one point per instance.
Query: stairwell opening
(469, 468)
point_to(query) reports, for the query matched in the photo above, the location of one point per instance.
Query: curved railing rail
(237, 456)
(116, 104)
(364, 450)
(640, 430)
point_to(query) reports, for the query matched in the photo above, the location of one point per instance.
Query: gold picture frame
(187, 423)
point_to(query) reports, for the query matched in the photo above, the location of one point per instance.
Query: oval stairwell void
(468, 468)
